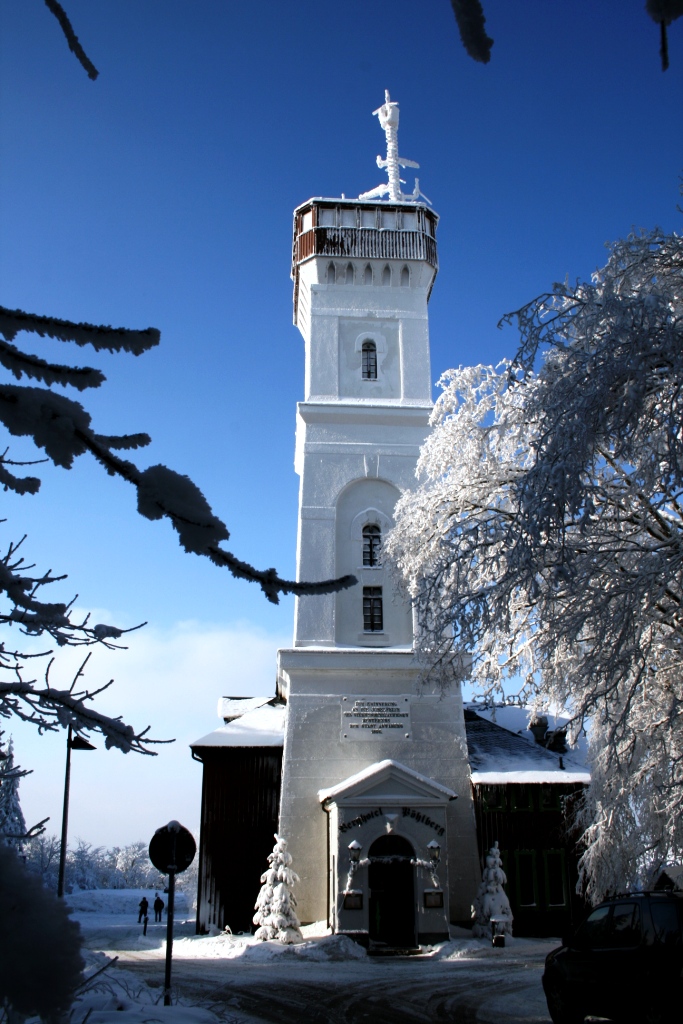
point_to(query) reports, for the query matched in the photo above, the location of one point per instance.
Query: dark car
(625, 962)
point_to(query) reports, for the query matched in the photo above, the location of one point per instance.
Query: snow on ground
(121, 901)
(234, 979)
(109, 918)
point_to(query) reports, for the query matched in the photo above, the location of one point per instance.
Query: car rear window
(593, 931)
(666, 923)
(611, 927)
(625, 929)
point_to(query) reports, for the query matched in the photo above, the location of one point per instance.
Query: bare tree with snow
(547, 539)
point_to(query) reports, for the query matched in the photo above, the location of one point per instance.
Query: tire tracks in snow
(407, 992)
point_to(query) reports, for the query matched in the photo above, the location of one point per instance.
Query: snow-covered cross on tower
(388, 118)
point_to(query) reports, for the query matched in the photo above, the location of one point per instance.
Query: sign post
(171, 851)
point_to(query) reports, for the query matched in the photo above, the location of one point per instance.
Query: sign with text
(375, 718)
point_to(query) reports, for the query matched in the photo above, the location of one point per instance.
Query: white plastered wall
(357, 444)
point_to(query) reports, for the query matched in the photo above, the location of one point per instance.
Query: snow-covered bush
(40, 965)
(491, 899)
(275, 913)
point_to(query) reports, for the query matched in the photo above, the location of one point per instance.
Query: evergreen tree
(12, 824)
(491, 899)
(275, 913)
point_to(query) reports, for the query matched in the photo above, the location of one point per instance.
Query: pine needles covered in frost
(275, 905)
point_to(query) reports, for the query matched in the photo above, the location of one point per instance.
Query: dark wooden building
(522, 795)
(240, 803)
(522, 790)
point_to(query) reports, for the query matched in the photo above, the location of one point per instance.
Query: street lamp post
(72, 743)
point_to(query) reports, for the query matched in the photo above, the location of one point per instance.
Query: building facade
(376, 799)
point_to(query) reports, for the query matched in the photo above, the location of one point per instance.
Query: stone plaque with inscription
(375, 718)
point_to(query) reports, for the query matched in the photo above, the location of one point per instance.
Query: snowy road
(325, 980)
(373, 991)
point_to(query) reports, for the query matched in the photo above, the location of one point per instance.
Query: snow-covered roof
(674, 872)
(502, 750)
(230, 708)
(376, 771)
(262, 727)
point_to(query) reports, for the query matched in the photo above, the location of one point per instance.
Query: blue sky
(162, 195)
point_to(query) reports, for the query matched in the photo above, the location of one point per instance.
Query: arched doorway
(392, 892)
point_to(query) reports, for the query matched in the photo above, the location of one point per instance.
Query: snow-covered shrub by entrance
(275, 913)
(491, 900)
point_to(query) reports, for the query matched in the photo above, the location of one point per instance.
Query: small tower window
(331, 274)
(372, 544)
(405, 278)
(369, 360)
(349, 273)
(386, 275)
(372, 610)
(367, 276)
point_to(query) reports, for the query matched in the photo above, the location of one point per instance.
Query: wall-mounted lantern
(354, 852)
(434, 853)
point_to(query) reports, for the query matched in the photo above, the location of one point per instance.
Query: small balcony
(362, 230)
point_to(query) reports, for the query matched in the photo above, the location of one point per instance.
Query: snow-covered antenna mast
(388, 118)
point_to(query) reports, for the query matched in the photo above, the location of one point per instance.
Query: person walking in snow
(158, 906)
(144, 907)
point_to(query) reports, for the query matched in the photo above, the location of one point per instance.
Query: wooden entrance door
(391, 879)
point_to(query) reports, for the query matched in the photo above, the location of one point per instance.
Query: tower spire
(388, 118)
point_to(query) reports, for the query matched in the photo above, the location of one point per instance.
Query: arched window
(372, 544)
(405, 278)
(349, 273)
(386, 275)
(367, 276)
(369, 360)
(372, 610)
(331, 274)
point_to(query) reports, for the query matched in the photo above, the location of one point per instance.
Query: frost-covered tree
(547, 539)
(12, 824)
(93, 867)
(491, 900)
(275, 914)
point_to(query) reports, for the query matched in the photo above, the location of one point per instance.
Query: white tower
(363, 272)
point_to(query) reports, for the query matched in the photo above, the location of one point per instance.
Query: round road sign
(172, 848)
